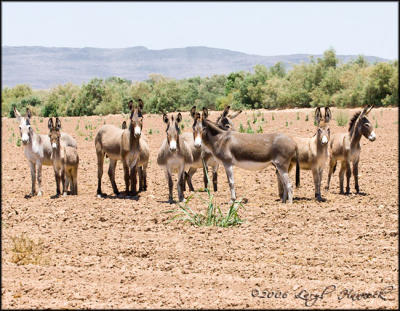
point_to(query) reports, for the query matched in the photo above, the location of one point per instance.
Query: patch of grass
(273, 117)
(241, 128)
(18, 143)
(249, 130)
(25, 251)
(297, 116)
(259, 130)
(287, 124)
(213, 215)
(150, 131)
(376, 124)
(342, 118)
(41, 120)
(306, 118)
(182, 126)
(262, 118)
(77, 127)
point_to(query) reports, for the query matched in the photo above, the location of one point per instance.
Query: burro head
(173, 131)
(25, 128)
(136, 118)
(323, 131)
(367, 129)
(54, 132)
(224, 121)
(197, 127)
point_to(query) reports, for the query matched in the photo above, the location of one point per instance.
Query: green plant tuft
(342, 118)
(213, 215)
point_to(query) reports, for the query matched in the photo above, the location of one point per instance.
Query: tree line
(321, 82)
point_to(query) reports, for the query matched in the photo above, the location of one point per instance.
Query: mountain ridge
(45, 67)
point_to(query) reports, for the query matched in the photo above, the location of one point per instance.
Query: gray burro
(345, 147)
(250, 152)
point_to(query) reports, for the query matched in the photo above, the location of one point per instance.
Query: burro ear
(193, 112)
(17, 114)
(50, 123)
(130, 105)
(179, 117)
(28, 113)
(234, 115)
(317, 115)
(328, 114)
(363, 112)
(58, 124)
(165, 118)
(226, 110)
(205, 113)
(123, 125)
(368, 111)
(141, 105)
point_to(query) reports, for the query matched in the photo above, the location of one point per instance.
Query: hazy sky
(263, 28)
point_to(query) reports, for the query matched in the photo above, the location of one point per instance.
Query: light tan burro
(65, 160)
(37, 148)
(313, 151)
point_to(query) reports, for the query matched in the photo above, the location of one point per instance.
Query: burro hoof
(40, 194)
(65, 194)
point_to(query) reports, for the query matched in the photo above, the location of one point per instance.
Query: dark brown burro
(250, 151)
(345, 147)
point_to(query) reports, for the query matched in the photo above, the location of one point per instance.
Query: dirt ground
(120, 253)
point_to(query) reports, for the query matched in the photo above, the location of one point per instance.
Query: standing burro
(120, 144)
(37, 148)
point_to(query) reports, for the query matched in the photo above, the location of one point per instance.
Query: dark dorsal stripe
(354, 120)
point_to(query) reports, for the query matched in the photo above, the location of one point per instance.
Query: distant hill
(45, 67)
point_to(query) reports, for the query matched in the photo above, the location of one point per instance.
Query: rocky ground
(121, 253)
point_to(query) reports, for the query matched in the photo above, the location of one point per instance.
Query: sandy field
(121, 253)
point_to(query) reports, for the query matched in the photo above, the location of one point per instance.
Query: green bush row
(323, 81)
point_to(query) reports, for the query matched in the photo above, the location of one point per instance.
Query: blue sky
(263, 28)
